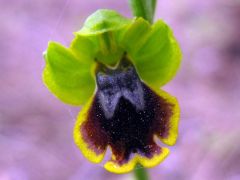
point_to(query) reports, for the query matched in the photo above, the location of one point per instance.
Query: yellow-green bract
(105, 36)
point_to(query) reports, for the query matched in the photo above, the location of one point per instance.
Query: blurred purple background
(36, 128)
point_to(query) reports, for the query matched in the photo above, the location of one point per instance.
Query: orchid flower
(114, 69)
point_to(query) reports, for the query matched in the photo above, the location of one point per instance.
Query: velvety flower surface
(114, 68)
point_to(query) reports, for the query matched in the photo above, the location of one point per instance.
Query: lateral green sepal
(67, 75)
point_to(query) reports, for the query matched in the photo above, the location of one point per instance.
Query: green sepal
(102, 21)
(68, 74)
(153, 50)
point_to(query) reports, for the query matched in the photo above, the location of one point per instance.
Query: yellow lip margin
(144, 161)
(78, 138)
(174, 120)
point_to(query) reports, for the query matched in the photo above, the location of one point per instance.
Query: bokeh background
(36, 128)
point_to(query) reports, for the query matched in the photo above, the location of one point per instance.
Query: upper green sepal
(70, 72)
(102, 21)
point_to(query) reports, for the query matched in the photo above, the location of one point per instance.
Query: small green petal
(109, 52)
(135, 35)
(102, 21)
(154, 51)
(83, 47)
(68, 76)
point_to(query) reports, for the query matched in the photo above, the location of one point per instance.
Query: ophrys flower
(114, 68)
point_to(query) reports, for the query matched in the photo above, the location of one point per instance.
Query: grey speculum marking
(121, 82)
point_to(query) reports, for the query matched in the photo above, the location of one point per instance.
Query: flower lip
(113, 84)
(117, 117)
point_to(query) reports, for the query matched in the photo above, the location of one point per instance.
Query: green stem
(143, 8)
(140, 172)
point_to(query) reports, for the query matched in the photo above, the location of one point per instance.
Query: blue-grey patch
(116, 83)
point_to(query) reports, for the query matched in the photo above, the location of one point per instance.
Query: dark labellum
(125, 114)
